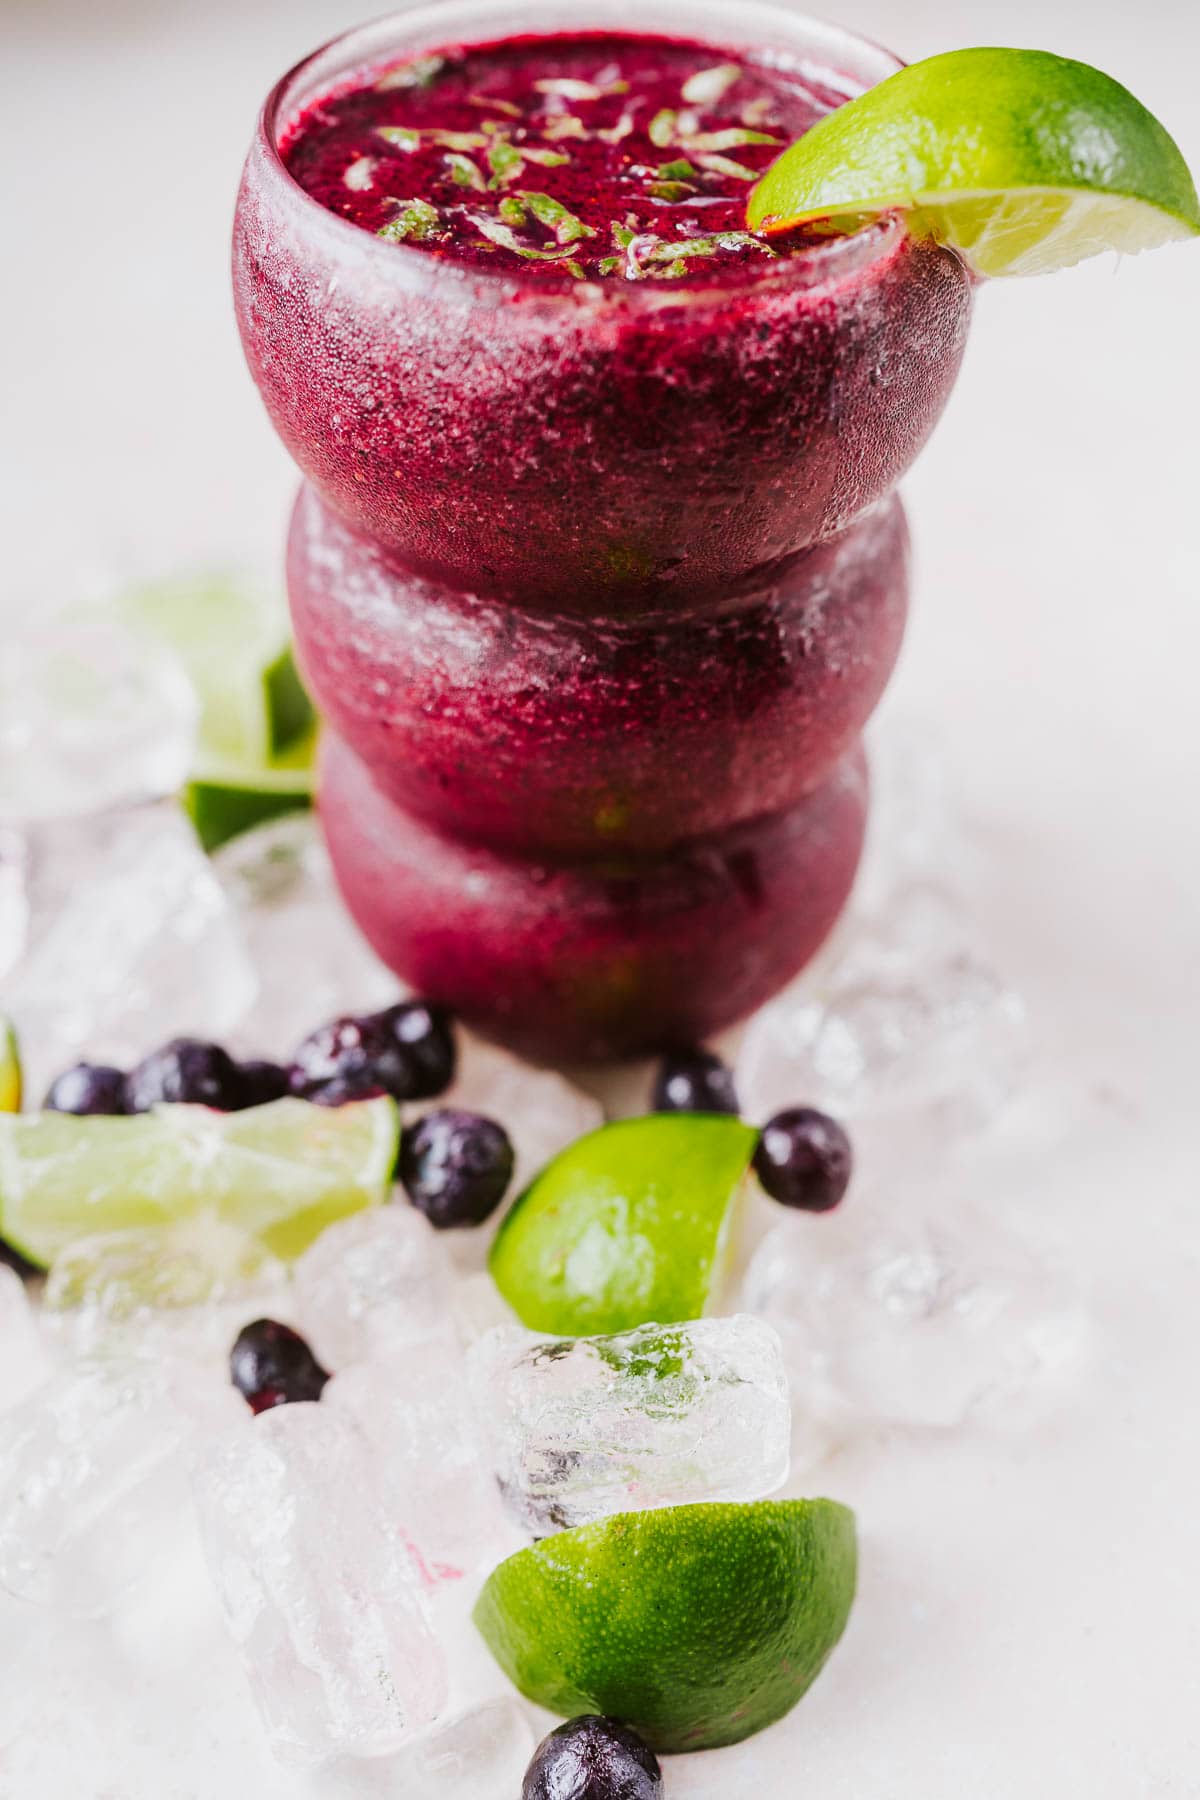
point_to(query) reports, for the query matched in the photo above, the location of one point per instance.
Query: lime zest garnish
(707, 86)
(490, 104)
(465, 173)
(672, 191)
(416, 221)
(505, 162)
(421, 72)
(565, 87)
(513, 210)
(661, 129)
(360, 174)
(498, 233)
(733, 137)
(679, 170)
(567, 228)
(725, 165)
(564, 125)
(407, 137)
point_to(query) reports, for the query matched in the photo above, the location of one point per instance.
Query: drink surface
(597, 155)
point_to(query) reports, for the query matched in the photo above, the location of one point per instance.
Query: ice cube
(14, 900)
(279, 883)
(913, 833)
(371, 1282)
(92, 716)
(319, 1592)
(23, 1359)
(661, 1416)
(481, 1753)
(131, 943)
(413, 1409)
(178, 1282)
(92, 1480)
(910, 1019)
(918, 1320)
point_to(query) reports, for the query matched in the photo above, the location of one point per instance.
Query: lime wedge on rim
(696, 1625)
(1021, 161)
(628, 1225)
(281, 1173)
(10, 1068)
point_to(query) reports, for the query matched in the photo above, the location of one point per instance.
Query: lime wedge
(227, 798)
(1021, 161)
(628, 1225)
(233, 639)
(10, 1068)
(281, 1173)
(696, 1625)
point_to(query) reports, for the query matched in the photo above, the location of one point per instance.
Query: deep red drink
(595, 569)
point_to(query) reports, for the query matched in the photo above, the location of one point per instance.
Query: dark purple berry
(407, 1051)
(263, 1082)
(804, 1159)
(270, 1364)
(694, 1081)
(87, 1088)
(186, 1070)
(455, 1167)
(591, 1758)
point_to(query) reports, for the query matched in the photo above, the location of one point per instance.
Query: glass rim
(406, 265)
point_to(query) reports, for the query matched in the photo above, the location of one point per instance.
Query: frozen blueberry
(188, 1070)
(591, 1758)
(87, 1088)
(270, 1364)
(407, 1051)
(263, 1082)
(455, 1167)
(694, 1081)
(804, 1159)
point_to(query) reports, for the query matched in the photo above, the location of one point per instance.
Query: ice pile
(130, 943)
(660, 1416)
(373, 1283)
(93, 1479)
(318, 1588)
(93, 716)
(918, 1317)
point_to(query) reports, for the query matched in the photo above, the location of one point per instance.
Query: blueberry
(185, 1070)
(87, 1088)
(804, 1159)
(263, 1082)
(407, 1051)
(591, 1758)
(455, 1167)
(694, 1081)
(270, 1364)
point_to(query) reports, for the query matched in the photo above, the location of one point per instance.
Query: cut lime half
(696, 1625)
(280, 1173)
(1021, 161)
(227, 798)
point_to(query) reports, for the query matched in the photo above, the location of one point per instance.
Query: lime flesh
(1021, 161)
(696, 1625)
(280, 1173)
(627, 1226)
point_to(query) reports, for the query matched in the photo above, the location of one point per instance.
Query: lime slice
(1021, 161)
(280, 1173)
(628, 1225)
(233, 638)
(227, 798)
(10, 1068)
(697, 1625)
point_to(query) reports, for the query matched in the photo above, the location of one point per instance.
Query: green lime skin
(627, 1226)
(979, 122)
(696, 1625)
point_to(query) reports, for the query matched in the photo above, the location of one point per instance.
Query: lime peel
(695, 1625)
(1021, 161)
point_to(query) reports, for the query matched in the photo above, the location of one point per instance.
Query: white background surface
(1028, 1628)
